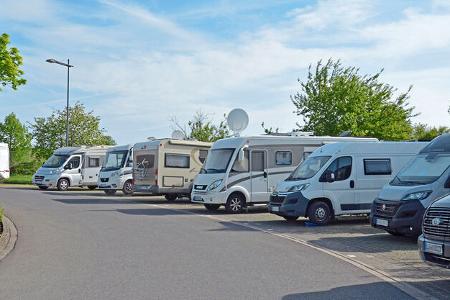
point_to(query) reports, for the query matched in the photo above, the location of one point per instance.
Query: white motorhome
(71, 166)
(117, 171)
(4, 161)
(242, 171)
(167, 166)
(340, 179)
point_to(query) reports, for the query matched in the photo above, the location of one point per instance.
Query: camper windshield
(424, 169)
(114, 160)
(217, 161)
(309, 168)
(55, 161)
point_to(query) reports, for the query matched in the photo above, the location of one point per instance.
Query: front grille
(104, 179)
(200, 187)
(436, 223)
(38, 178)
(386, 209)
(277, 199)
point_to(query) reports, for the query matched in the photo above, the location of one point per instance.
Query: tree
(334, 99)
(201, 128)
(423, 132)
(84, 129)
(13, 132)
(10, 62)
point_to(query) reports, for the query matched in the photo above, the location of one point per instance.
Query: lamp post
(68, 65)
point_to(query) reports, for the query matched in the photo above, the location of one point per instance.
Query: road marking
(398, 283)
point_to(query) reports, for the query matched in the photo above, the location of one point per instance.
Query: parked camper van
(167, 166)
(71, 166)
(4, 161)
(340, 179)
(242, 171)
(117, 170)
(400, 206)
(434, 243)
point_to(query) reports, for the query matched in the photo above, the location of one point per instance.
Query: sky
(139, 64)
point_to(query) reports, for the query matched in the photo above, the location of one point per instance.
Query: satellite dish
(237, 120)
(178, 135)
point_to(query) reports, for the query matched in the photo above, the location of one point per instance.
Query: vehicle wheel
(235, 203)
(127, 187)
(320, 213)
(394, 233)
(92, 187)
(171, 197)
(63, 184)
(110, 192)
(212, 207)
(42, 187)
(290, 218)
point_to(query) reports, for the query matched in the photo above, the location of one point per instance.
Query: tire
(42, 187)
(63, 184)
(290, 218)
(320, 213)
(212, 207)
(110, 192)
(92, 187)
(127, 188)
(171, 197)
(235, 203)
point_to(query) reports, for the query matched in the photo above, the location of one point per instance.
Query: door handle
(265, 174)
(352, 184)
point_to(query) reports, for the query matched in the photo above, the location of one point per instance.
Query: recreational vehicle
(117, 171)
(340, 179)
(71, 166)
(4, 161)
(242, 171)
(167, 166)
(400, 205)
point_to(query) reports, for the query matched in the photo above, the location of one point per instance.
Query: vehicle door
(339, 184)
(72, 169)
(90, 170)
(258, 176)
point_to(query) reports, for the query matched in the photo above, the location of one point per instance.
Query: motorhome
(167, 166)
(4, 161)
(340, 179)
(117, 171)
(242, 171)
(71, 167)
(400, 205)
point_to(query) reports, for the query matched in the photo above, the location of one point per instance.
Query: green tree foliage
(16, 134)
(334, 99)
(423, 132)
(10, 62)
(84, 129)
(201, 128)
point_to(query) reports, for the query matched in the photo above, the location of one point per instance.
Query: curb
(8, 238)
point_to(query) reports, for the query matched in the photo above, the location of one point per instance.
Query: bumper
(441, 260)
(209, 197)
(156, 190)
(116, 184)
(45, 180)
(407, 219)
(293, 205)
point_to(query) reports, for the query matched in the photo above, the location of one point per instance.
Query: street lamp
(68, 65)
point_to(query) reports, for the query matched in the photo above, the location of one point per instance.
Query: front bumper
(433, 258)
(288, 205)
(45, 180)
(208, 197)
(112, 183)
(406, 220)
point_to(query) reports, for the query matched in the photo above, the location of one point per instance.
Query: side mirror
(241, 155)
(68, 166)
(447, 183)
(330, 177)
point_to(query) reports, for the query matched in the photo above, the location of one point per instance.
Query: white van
(117, 171)
(340, 179)
(167, 166)
(4, 161)
(71, 166)
(230, 178)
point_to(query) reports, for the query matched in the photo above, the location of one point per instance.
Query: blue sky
(140, 63)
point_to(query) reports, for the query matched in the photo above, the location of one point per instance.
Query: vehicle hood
(443, 202)
(285, 185)
(207, 179)
(396, 193)
(46, 171)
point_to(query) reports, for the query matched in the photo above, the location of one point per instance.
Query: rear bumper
(293, 205)
(434, 259)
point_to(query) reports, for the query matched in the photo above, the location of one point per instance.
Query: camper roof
(120, 148)
(438, 144)
(67, 150)
(156, 143)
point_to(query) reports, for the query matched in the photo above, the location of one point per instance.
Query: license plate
(198, 198)
(382, 222)
(275, 208)
(433, 248)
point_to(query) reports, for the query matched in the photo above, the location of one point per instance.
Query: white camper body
(117, 170)
(242, 171)
(167, 166)
(71, 166)
(4, 161)
(340, 179)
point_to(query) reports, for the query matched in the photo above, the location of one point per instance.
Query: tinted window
(93, 162)
(257, 160)
(176, 161)
(377, 166)
(341, 167)
(283, 158)
(202, 155)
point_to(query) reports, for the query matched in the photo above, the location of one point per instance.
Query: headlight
(214, 185)
(417, 195)
(114, 174)
(299, 187)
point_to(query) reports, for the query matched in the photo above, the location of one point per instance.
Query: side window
(177, 161)
(202, 155)
(74, 162)
(341, 167)
(283, 158)
(258, 161)
(241, 166)
(377, 166)
(93, 162)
